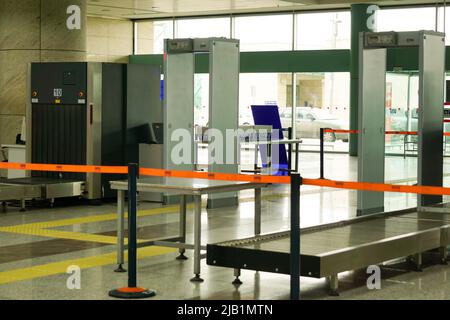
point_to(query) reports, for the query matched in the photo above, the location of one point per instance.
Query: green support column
(362, 18)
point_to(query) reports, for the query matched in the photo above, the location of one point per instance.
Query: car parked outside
(310, 120)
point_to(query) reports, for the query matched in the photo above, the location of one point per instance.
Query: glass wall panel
(399, 102)
(262, 89)
(203, 28)
(320, 31)
(162, 29)
(446, 124)
(264, 32)
(323, 101)
(201, 99)
(443, 18)
(406, 19)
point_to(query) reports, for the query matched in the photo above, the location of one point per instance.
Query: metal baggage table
(184, 188)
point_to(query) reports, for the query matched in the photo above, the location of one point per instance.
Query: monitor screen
(157, 133)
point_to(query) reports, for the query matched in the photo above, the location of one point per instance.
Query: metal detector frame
(179, 71)
(372, 96)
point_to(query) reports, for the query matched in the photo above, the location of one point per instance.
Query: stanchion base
(132, 293)
(333, 293)
(181, 257)
(197, 279)
(237, 282)
(120, 269)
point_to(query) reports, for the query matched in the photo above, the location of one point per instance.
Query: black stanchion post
(322, 151)
(296, 181)
(133, 172)
(132, 291)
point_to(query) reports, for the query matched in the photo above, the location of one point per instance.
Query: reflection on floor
(38, 246)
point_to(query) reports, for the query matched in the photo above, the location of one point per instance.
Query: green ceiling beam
(272, 61)
(401, 59)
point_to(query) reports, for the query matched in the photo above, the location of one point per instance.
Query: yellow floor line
(84, 263)
(93, 219)
(42, 228)
(99, 218)
(69, 235)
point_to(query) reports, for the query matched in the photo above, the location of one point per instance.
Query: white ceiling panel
(136, 9)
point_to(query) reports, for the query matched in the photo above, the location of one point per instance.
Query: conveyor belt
(330, 249)
(39, 188)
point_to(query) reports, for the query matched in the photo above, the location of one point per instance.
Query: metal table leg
(257, 211)
(237, 274)
(334, 285)
(197, 237)
(255, 165)
(120, 230)
(418, 262)
(289, 159)
(182, 226)
(269, 159)
(443, 252)
(22, 205)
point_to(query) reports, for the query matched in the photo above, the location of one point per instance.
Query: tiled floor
(38, 246)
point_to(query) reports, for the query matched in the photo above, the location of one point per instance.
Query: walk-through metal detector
(372, 98)
(179, 70)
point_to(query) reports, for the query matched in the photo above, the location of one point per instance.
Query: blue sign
(268, 115)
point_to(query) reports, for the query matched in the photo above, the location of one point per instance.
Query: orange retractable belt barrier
(365, 186)
(63, 168)
(356, 132)
(412, 133)
(377, 187)
(341, 131)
